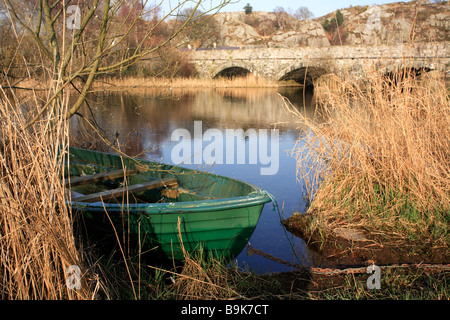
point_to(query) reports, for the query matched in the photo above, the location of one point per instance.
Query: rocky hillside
(393, 23)
(269, 29)
(368, 25)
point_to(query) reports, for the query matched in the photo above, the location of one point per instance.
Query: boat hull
(219, 226)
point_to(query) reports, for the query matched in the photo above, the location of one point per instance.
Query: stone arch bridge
(300, 64)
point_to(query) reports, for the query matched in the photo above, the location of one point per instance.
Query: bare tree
(283, 19)
(303, 13)
(81, 39)
(201, 31)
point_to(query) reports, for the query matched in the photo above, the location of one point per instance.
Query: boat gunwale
(180, 207)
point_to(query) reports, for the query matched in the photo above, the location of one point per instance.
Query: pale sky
(317, 7)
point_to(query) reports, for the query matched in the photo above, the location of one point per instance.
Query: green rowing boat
(154, 204)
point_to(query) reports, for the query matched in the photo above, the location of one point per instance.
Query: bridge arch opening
(400, 74)
(232, 72)
(304, 76)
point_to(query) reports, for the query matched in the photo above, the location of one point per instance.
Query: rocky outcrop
(234, 31)
(395, 22)
(363, 25)
(308, 33)
(266, 29)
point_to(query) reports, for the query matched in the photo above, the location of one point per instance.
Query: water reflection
(142, 124)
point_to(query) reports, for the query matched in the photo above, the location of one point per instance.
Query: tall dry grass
(199, 281)
(37, 242)
(381, 154)
(128, 83)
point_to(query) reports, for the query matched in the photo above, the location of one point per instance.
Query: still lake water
(145, 120)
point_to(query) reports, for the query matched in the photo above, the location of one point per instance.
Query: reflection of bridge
(310, 63)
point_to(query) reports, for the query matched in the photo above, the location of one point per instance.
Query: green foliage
(339, 18)
(248, 9)
(334, 23)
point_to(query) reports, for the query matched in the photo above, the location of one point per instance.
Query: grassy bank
(214, 281)
(381, 154)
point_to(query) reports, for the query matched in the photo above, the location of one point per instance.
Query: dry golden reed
(197, 281)
(130, 83)
(381, 154)
(37, 243)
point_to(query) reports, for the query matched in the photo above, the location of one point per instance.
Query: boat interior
(118, 185)
(95, 176)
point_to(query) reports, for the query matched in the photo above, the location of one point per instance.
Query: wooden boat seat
(176, 191)
(108, 175)
(119, 192)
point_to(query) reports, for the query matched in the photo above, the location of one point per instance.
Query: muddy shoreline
(352, 248)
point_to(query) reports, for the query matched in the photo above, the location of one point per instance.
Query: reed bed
(381, 153)
(127, 83)
(199, 280)
(37, 243)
